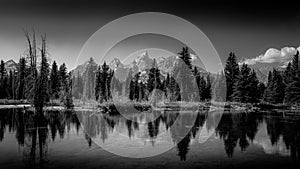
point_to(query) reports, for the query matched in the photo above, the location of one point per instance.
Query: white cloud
(273, 55)
(193, 57)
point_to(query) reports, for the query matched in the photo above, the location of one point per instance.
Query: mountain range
(142, 62)
(165, 64)
(262, 69)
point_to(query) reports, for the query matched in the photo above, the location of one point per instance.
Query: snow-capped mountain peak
(10, 65)
(116, 63)
(143, 61)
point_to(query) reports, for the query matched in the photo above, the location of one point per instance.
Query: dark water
(58, 140)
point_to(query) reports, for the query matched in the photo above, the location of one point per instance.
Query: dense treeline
(35, 81)
(242, 84)
(283, 86)
(237, 83)
(38, 83)
(185, 83)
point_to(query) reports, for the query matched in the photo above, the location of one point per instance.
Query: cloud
(273, 55)
(193, 57)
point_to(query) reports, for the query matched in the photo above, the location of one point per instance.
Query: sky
(257, 31)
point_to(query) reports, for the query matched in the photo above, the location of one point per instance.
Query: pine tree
(89, 78)
(109, 80)
(268, 94)
(279, 87)
(184, 75)
(208, 91)
(275, 90)
(288, 74)
(98, 83)
(196, 84)
(3, 72)
(261, 90)
(245, 88)
(63, 75)
(153, 81)
(54, 81)
(134, 93)
(3, 81)
(67, 93)
(220, 87)
(202, 88)
(254, 94)
(11, 85)
(21, 78)
(104, 82)
(295, 63)
(231, 73)
(132, 89)
(4, 86)
(104, 78)
(293, 87)
(184, 55)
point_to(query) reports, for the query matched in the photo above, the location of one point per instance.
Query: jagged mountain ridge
(167, 64)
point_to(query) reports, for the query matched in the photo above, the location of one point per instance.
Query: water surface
(58, 140)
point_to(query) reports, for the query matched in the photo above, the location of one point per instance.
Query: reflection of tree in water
(35, 149)
(237, 129)
(188, 133)
(153, 128)
(289, 129)
(183, 147)
(33, 129)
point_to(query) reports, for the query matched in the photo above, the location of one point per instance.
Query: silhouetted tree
(184, 75)
(3, 81)
(246, 86)
(275, 90)
(63, 75)
(184, 55)
(104, 77)
(208, 91)
(231, 73)
(54, 81)
(21, 78)
(293, 83)
(261, 90)
(67, 93)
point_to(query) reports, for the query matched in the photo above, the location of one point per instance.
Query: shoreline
(226, 106)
